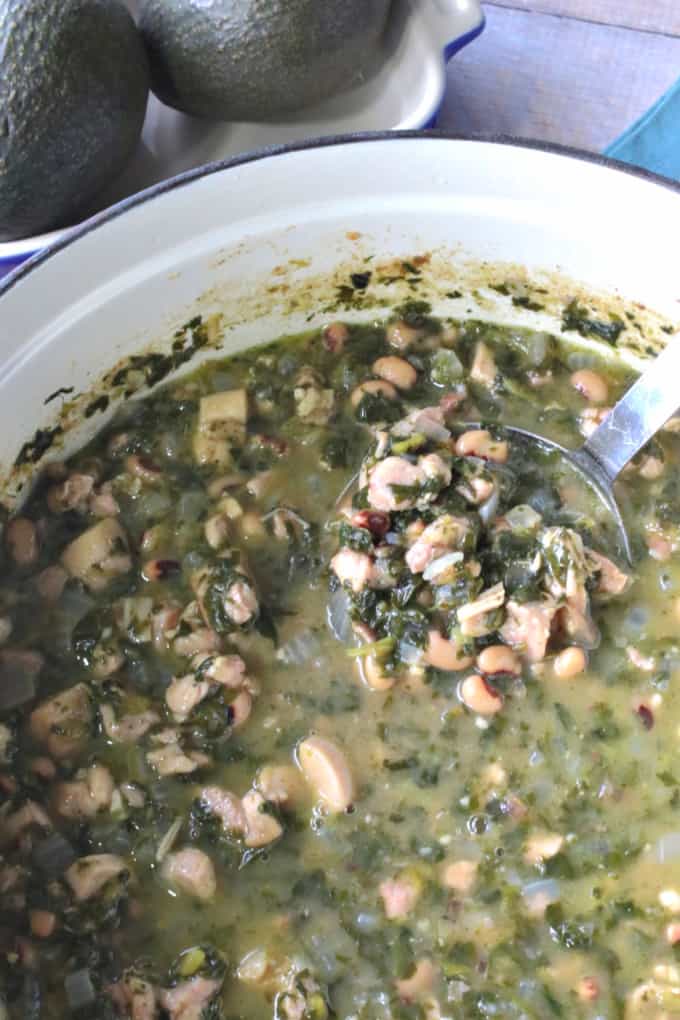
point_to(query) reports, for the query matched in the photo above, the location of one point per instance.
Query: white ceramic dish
(265, 241)
(406, 94)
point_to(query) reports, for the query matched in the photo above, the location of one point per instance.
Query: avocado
(259, 59)
(74, 83)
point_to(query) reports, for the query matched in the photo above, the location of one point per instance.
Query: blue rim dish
(9, 264)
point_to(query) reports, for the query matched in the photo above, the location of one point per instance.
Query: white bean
(480, 443)
(372, 674)
(444, 654)
(476, 695)
(325, 768)
(374, 387)
(397, 371)
(570, 662)
(499, 659)
(590, 385)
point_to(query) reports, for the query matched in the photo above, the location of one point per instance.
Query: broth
(290, 733)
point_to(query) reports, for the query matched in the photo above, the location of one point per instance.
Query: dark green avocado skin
(74, 83)
(259, 59)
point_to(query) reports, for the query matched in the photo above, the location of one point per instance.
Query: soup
(321, 699)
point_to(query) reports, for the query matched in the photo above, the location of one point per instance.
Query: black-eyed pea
(216, 530)
(478, 696)
(499, 659)
(152, 538)
(255, 967)
(220, 485)
(570, 662)
(590, 385)
(541, 846)
(660, 548)
(261, 827)
(42, 923)
(460, 876)
(327, 771)
(21, 539)
(335, 336)
(402, 336)
(372, 387)
(281, 784)
(483, 369)
(160, 570)
(588, 989)
(396, 371)
(261, 484)
(444, 654)
(240, 707)
(143, 467)
(371, 672)
(480, 443)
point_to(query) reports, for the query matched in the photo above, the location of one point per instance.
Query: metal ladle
(638, 416)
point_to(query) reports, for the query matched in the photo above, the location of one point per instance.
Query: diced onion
(442, 563)
(668, 848)
(366, 921)
(544, 890)
(300, 649)
(337, 616)
(488, 510)
(446, 367)
(408, 653)
(191, 505)
(537, 347)
(635, 620)
(523, 518)
(168, 840)
(153, 504)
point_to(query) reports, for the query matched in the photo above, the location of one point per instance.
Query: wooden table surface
(572, 71)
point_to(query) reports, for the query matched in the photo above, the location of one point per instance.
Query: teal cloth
(653, 141)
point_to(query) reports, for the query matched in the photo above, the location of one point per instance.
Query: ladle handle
(639, 415)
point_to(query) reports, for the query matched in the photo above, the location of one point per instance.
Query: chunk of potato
(230, 405)
(63, 724)
(99, 554)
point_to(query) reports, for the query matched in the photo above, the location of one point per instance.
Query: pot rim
(243, 159)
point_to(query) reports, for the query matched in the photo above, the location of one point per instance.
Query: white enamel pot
(266, 241)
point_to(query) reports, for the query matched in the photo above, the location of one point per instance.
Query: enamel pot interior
(269, 242)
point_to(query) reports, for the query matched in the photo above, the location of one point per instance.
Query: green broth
(449, 805)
